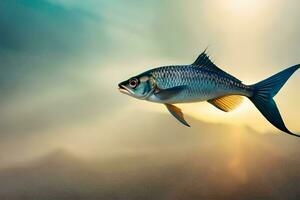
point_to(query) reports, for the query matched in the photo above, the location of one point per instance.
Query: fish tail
(263, 93)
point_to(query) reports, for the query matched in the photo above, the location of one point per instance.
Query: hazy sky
(61, 61)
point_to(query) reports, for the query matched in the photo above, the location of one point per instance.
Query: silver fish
(204, 81)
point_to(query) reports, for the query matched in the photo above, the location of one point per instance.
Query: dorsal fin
(203, 61)
(227, 103)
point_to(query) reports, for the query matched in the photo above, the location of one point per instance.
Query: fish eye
(133, 82)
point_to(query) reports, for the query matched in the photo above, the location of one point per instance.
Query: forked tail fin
(263, 93)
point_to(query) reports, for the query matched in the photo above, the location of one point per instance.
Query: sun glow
(245, 115)
(244, 7)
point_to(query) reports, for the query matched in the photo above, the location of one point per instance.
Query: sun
(244, 7)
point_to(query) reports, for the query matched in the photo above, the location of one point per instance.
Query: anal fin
(177, 113)
(227, 103)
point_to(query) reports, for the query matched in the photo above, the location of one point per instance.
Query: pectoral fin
(227, 103)
(177, 113)
(164, 94)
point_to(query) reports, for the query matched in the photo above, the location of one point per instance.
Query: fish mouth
(123, 89)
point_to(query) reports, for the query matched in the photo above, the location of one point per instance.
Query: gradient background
(67, 133)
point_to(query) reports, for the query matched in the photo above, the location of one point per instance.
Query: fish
(204, 81)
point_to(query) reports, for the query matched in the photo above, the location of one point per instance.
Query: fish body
(200, 84)
(204, 81)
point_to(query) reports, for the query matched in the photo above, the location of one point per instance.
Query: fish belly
(197, 94)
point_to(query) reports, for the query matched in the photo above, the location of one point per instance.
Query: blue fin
(263, 93)
(204, 62)
(164, 94)
(177, 113)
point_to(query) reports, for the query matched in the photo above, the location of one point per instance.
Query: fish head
(140, 87)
